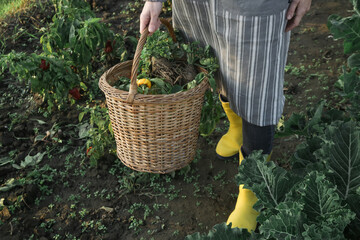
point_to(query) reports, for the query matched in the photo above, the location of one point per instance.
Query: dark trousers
(257, 138)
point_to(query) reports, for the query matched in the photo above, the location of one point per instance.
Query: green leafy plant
(158, 45)
(211, 113)
(313, 122)
(76, 31)
(48, 75)
(76, 40)
(30, 161)
(222, 232)
(317, 198)
(43, 177)
(161, 45)
(98, 131)
(348, 29)
(2, 46)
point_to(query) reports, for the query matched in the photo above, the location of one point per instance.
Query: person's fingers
(144, 21)
(154, 24)
(294, 22)
(150, 16)
(288, 25)
(301, 9)
(291, 10)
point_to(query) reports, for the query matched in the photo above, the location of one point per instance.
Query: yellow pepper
(144, 81)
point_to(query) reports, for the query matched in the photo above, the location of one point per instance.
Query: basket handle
(136, 61)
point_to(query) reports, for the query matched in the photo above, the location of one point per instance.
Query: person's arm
(295, 12)
(150, 15)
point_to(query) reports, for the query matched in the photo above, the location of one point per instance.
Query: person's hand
(150, 16)
(295, 12)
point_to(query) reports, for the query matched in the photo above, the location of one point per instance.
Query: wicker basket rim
(121, 95)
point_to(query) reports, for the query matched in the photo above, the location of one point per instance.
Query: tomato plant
(76, 31)
(99, 133)
(49, 75)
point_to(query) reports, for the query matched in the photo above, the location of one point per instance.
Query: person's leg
(254, 138)
(257, 138)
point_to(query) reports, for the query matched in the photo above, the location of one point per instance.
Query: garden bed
(59, 194)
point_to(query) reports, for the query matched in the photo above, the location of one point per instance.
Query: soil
(52, 206)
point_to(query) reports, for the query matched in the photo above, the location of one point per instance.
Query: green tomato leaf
(72, 37)
(212, 82)
(110, 129)
(48, 47)
(92, 20)
(84, 130)
(83, 86)
(81, 116)
(158, 81)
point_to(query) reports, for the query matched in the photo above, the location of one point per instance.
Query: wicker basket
(153, 133)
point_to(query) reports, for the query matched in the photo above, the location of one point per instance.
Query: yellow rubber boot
(229, 144)
(244, 215)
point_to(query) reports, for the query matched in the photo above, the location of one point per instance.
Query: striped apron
(249, 40)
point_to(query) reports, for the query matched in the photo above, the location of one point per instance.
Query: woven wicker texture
(153, 133)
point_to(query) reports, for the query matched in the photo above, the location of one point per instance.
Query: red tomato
(75, 93)
(43, 65)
